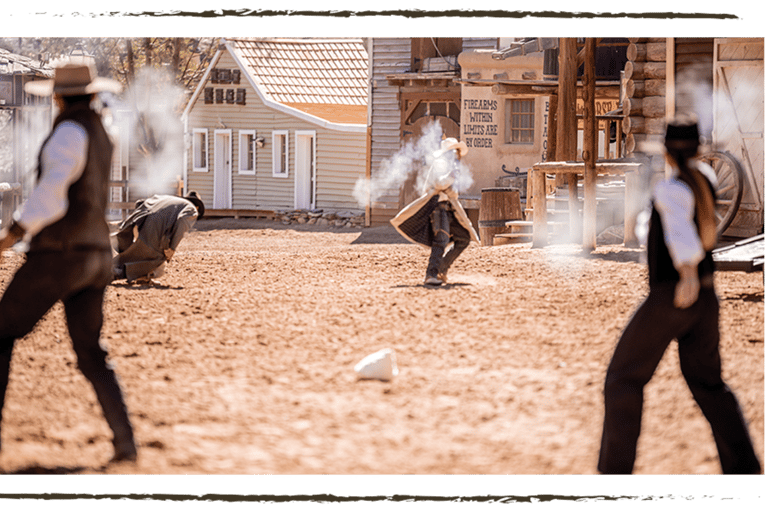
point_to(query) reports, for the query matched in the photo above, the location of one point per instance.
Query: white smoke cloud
(149, 112)
(411, 161)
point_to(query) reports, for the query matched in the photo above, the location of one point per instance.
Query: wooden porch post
(540, 230)
(590, 148)
(567, 127)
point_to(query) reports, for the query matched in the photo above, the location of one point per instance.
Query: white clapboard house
(279, 124)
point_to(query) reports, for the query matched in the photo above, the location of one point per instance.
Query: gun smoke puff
(413, 158)
(149, 114)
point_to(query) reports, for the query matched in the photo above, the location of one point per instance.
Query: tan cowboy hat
(73, 79)
(449, 144)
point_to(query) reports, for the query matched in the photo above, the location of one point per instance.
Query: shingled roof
(13, 63)
(327, 78)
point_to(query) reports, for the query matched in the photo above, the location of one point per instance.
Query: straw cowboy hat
(194, 198)
(73, 79)
(449, 144)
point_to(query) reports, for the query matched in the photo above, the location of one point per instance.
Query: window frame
(510, 115)
(243, 152)
(196, 148)
(276, 156)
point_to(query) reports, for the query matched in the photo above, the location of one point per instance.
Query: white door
(305, 186)
(222, 169)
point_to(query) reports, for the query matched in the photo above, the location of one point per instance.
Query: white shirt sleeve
(63, 160)
(675, 202)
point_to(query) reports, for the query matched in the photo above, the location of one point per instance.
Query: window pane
(521, 121)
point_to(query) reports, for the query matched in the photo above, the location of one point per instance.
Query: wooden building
(412, 85)
(24, 121)
(721, 82)
(279, 124)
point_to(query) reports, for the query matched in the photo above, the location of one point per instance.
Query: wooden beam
(577, 168)
(589, 154)
(552, 129)
(368, 144)
(670, 85)
(539, 209)
(567, 126)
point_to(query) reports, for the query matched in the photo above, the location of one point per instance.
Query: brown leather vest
(84, 226)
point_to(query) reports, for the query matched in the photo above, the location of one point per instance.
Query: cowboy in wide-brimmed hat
(68, 252)
(437, 218)
(74, 78)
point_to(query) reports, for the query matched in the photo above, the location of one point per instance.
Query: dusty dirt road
(240, 361)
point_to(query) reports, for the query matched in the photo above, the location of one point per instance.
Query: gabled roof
(313, 70)
(326, 78)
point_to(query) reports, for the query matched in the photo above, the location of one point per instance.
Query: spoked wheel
(730, 187)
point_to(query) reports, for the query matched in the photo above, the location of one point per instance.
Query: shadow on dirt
(42, 470)
(446, 286)
(145, 286)
(380, 235)
(618, 255)
(374, 235)
(747, 297)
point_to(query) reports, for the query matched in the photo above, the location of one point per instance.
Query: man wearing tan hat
(436, 219)
(69, 255)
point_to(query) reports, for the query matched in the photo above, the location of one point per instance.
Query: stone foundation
(320, 218)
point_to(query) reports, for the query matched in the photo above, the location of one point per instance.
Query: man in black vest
(682, 305)
(69, 255)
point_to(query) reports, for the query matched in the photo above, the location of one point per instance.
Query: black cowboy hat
(682, 133)
(194, 198)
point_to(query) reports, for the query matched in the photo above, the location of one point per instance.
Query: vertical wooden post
(368, 143)
(631, 195)
(669, 101)
(539, 208)
(552, 129)
(566, 104)
(567, 125)
(589, 239)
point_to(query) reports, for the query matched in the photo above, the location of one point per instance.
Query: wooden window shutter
(240, 97)
(208, 95)
(219, 95)
(235, 76)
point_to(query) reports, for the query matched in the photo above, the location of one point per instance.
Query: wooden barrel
(498, 206)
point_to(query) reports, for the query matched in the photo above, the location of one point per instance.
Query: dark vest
(84, 226)
(660, 266)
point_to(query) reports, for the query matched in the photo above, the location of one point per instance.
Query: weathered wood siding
(739, 125)
(340, 155)
(390, 56)
(480, 43)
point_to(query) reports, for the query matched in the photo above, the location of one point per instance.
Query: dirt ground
(240, 360)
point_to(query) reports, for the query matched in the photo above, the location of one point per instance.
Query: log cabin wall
(693, 66)
(644, 106)
(647, 104)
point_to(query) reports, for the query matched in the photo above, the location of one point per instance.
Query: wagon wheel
(730, 187)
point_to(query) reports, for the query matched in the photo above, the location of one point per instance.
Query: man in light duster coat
(437, 218)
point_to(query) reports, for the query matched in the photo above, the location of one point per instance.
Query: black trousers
(446, 228)
(78, 279)
(641, 346)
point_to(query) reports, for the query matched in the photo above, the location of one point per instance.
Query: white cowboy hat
(73, 79)
(449, 144)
